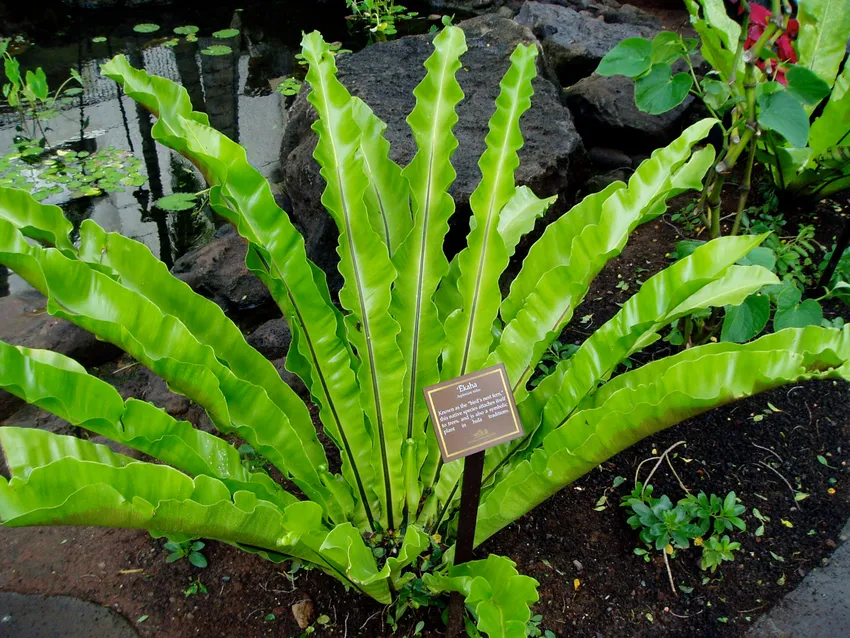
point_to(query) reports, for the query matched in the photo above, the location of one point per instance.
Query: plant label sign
(473, 412)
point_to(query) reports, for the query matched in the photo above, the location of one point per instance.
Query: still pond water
(235, 89)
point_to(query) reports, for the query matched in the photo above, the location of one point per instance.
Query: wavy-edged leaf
(485, 257)
(822, 39)
(72, 491)
(37, 221)
(654, 397)
(675, 291)
(242, 195)
(708, 280)
(388, 195)
(560, 267)
(499, 596)
(518, 216)
(138, 270)
(116, 314)
(345, 546)
(420, 260)
(28, 448)
(554, 248)
(368, 274)
(718, 45)
(61, 386)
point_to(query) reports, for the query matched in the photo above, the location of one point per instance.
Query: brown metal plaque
(473, 412)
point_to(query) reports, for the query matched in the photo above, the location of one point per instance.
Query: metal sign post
(471, 414)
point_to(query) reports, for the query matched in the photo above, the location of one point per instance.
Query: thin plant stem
(745, 189)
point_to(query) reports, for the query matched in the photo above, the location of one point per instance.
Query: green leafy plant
(533, 628)
(289, 86)
(550, 359)
(407, 318)
(714, 512)
(186, 549)
(29, 95)
(716, 550)
(769, 75)
(666, 527)
(195, 587)
(378, 17)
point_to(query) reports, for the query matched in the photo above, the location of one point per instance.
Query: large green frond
(420, 260)
(657, 396)
(368, 275)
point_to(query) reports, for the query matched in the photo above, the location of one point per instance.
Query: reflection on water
(233, 89)
(103, 117)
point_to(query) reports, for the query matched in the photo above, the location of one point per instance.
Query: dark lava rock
(599, 182)
(610, 10)
(384, 75)
(218, 271)
(25, 322)
(292, 380)
(136, 381)
(271, 339)
(609, 158)
(606, 115)
(575, 42)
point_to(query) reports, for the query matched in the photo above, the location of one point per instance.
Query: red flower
(758, 14)
(759, 18)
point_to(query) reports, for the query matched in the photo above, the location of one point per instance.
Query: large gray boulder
(575, 42)
(609, 10)
(606, 115)
(384, 75)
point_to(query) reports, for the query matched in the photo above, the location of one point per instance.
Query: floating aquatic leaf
(217, 49)
(146, 27)
(171, 42)
(98, 39)
(191, 38)
(189, 29)
(224, 34)
(177, 202)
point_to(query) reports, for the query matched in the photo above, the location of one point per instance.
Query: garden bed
(591, 583)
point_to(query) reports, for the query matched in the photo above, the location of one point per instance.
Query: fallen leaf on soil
(131, 571)
(302, 611)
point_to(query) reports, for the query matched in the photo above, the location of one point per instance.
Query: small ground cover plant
(407, 316)
(190, 550)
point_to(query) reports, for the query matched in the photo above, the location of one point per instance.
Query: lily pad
(177, 202)
(217, 49)
(98, 39)
(189, 29)
(146, 27)
(224, 34)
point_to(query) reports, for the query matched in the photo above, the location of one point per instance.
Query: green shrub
(406, 318)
